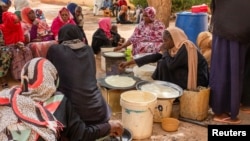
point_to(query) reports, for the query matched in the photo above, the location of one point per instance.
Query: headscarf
(72, 6)
(38, 83)
(5, 2)
(12, 31)
(180, 38)
(20, 4)
(58, 22)
(24, 15)
(39, 14)
(151, 13)
(43, 27)
(105, 25)
(69, 32)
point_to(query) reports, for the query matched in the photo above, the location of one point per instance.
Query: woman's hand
(118, 48)
(122, 66)
(116, 128)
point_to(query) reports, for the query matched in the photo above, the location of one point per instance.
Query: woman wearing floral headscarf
(36, 111)
(147, 36)
(64, 17)
(102, 36)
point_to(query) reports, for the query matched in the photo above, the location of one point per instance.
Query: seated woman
(14, 40)
(4, 6)
(178, 54)
(64, 17)
(102, 36)
(39, 36)
(147, 36)
(11, 29)
(123, 16)
(117, 39)
(34, 28)
(76, 11)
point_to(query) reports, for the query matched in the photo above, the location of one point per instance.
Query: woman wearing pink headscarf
(64, 17)
(102, 36)
(147, 36)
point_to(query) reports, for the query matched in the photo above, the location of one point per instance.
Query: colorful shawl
(11, 28)
(105, 25)
(180, 38)
(58, 22)
(28, 107)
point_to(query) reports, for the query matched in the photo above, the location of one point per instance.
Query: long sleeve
(74, 128)
(152, 58)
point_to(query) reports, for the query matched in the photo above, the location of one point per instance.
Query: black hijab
(69, 32)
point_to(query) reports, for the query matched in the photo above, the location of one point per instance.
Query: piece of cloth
(79, 84)
(147, 38)
(151, 13)
(42, 30)
(36, 111)
(227, 65)
(72, 6)
(230, 41)
(57, 22)
(12, 31)
(40, 14)
(105, 25)
(234, 27)
(34, 88)
(180, 38)
(99, 40)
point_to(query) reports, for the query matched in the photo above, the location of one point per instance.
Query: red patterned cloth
(39, 49)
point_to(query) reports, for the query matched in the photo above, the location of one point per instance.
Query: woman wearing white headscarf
(19, 5)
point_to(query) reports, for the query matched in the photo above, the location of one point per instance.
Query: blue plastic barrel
(192, 24)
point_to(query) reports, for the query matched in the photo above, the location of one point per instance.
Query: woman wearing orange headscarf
(64, 17)
(34, 28)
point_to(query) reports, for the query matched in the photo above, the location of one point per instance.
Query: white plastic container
(137, 112)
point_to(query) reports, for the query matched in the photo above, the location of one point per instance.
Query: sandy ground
(187, 131)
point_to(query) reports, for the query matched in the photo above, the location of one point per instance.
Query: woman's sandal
(225, 118)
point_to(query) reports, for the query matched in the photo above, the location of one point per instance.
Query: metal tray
(126, 136)
(105, 54)
(101, 82)
(164, 83)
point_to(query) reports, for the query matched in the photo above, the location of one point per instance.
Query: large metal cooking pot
(164, 104)
(164, 84)
(126, 136)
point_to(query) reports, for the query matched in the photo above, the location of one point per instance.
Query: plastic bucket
(192, 24)
(137, 112)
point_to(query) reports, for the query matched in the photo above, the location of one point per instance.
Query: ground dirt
(187, 131)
